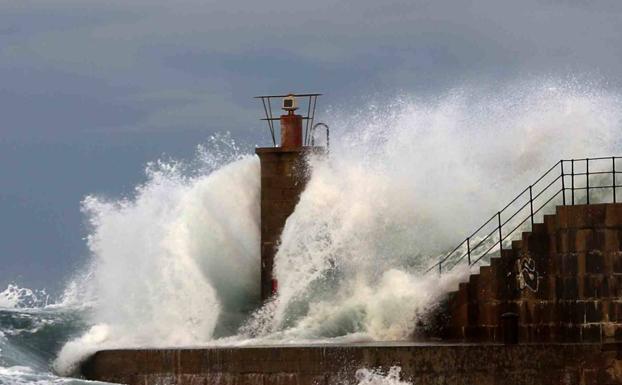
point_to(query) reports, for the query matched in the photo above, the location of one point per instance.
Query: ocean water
(32, 330)
(177, 262)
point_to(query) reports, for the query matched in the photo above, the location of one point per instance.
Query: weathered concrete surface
(575, 290)
(481, 364)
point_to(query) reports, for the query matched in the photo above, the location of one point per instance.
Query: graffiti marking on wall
(528, 277)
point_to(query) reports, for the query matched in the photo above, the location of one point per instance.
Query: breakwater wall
(482, 364)
(563, 279)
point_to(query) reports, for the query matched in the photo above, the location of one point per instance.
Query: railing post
(563, 185)
(613, 162)
(500, 237)
(531, 206)
(572, 179)
(327, 138)
(587, 180)
(469, 250)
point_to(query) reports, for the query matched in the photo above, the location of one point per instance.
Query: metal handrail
(458, 254)
(312, 135)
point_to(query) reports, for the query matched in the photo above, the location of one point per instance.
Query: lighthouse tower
(284, 173)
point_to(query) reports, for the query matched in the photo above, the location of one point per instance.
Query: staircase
(563, 278)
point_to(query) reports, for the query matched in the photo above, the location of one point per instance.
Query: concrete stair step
(524, 237)
(473, 279)
(484, 270)
(495, 262)
(539, 228)
(507, 254)
(550, 223)
(462, 286)
(534, 241)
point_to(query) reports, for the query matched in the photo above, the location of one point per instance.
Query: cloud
(219, 54)
(90, 90)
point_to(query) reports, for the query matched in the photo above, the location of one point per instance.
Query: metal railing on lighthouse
(309, 104)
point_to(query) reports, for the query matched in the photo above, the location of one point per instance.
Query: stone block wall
(574, 292)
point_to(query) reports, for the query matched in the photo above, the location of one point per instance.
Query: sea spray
(378, 377)
(403, 184)
(172, 261)
(16, 297)
(178, 263)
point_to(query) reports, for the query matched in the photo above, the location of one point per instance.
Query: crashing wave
(178, 262)
(15, 297)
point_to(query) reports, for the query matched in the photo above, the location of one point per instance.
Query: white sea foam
(378, 377)
(405, 183)
(178, 263)
(16, 297)
(23, 375)
(173, 260)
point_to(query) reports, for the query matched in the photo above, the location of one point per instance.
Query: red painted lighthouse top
(296, 130)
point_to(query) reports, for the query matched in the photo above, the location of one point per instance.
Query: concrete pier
(450, 364)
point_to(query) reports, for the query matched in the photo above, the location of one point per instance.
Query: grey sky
(91, 90)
